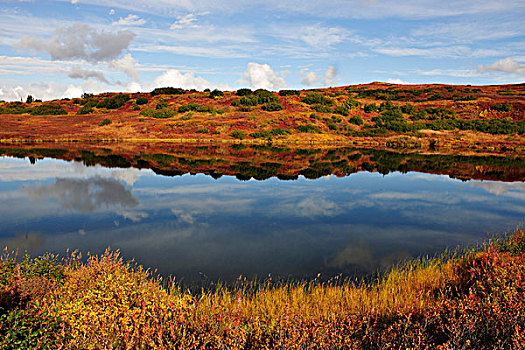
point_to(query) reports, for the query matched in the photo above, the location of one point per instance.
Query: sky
(63, 48)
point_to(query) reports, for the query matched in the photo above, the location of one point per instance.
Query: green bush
(158, 113)
(86, 109)
(244, 92)
(203, 131)
(15, 108)
(351, 103)
(167, 91)
(141, 101)
(309, 128)
(216, 94)
(113, 102)
(272, 106)
(342, 110)
(238, 134)
(356, 120)
(371, 107)
(105, 122)
(320, 108)
(192, 106)
(48, 109)
(161, 105)
(502, 107)
(289, 93)
(316, 98)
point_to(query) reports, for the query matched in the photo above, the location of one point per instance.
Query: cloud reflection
(85, 195)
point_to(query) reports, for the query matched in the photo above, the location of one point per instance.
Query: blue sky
(53, 49)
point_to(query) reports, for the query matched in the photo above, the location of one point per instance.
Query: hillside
(468, 118)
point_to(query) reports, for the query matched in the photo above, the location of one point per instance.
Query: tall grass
(472, 301)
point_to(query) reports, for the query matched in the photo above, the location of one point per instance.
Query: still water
(192, 226)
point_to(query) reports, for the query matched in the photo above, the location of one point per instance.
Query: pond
(198, 227)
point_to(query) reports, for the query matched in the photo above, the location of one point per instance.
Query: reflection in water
(224, 227)
(30, 242)
(85, 195)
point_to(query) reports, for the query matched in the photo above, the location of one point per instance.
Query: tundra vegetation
(433, 117)
(474, 299)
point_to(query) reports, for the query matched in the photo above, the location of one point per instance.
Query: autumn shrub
(469, 300)
(104, 122)
(15, 108)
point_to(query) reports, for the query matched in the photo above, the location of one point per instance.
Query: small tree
(216, 94)
(29, 99)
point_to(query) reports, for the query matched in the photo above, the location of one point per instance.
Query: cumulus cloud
(80, 41)
(73, 91)
(130, 20)
(126, 64)
(506, 65)
(13, 93)
(176, 78)
(261, 76)
(310, 78)
(330, 76)
(78, 72)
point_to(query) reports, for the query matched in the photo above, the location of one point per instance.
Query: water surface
(193, 226)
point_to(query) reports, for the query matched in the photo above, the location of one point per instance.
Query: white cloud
(396, 81)
(322, 37)
(176, 78)
(320, 8)
(506, 65)
(134, 216)
(328, 78)
(126, 64)
(309, 78)
(73, 91)
(130, 20)
(77, 72)
(187, 21)
(261, 76)
(183, 216)
(80, 41)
